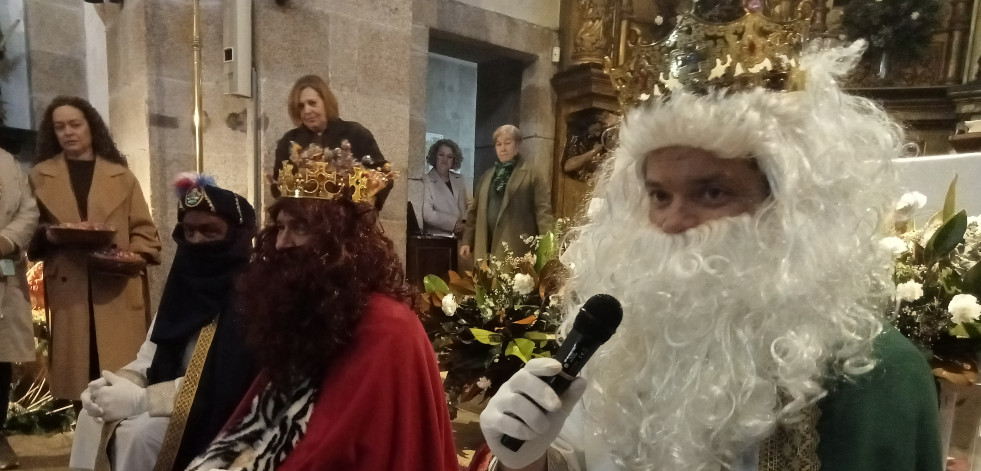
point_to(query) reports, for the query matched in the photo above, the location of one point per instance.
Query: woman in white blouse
(444, 209)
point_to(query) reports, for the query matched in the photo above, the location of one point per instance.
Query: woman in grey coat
(18, 219)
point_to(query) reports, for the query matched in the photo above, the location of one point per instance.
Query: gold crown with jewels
(702, 53)
(327, 174)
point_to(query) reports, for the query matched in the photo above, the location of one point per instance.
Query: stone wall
(539, 12)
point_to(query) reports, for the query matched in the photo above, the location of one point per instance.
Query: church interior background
(411, 71)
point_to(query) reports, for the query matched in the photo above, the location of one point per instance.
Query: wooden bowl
(116, 263)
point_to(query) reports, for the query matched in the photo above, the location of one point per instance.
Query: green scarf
(502, 173)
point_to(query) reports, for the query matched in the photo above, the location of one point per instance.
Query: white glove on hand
(91, 407)
(510, 412)
(120, 398)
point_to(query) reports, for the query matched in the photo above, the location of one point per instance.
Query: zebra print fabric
(266, 435)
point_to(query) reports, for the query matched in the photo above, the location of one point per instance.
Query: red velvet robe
(382, 407)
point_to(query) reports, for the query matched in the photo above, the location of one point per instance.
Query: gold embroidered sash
(185, 397)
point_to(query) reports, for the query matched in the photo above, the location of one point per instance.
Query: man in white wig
(738, 228)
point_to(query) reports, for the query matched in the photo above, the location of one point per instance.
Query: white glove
(509, 412)
(91, 407)
(120, 398)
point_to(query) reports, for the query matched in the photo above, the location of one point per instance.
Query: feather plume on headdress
(187, 180)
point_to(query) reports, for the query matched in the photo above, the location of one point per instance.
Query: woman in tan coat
(98, 321)
(18, 218)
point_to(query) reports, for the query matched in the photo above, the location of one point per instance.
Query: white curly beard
(716, 346)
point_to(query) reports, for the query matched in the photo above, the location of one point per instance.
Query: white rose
(973, 220)
(908, 203)
(909, 291)
(523, 284)
(893, 245)
(659, 20)
(964, 308)
(449, 305)
(915, 15)
(483, 382)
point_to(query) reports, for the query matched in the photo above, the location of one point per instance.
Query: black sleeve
(363, 143)
(282, 153)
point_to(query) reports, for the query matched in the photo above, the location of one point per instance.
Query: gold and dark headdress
(703, 52)
(328, 174)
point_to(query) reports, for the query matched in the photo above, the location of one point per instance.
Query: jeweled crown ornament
(327, 174)
(704, 52)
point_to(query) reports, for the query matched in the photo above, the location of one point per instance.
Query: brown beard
(302, 305)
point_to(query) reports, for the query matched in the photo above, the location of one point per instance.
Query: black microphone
(595, 323)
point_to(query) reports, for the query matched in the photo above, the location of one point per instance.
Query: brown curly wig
(302, 304)
(457, 154)
(102, 143)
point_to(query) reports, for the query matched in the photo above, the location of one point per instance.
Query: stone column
(960, 26)
(56, 44)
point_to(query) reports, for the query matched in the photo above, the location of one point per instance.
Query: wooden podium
(429, 255)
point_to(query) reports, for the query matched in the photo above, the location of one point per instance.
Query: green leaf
(435, 284)
(534, 335)
(972, 281)
(968, 330)
(486, 336)
(520, 348)
(947, 237)
(950, 201)
(548, 247)
(481, 295)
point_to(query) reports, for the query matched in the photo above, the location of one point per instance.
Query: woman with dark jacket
(313, 109)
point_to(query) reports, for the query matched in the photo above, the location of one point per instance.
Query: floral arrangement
(485, 324)
(899, 27)
(938, 282)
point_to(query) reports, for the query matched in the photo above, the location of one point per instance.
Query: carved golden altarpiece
(931, 96)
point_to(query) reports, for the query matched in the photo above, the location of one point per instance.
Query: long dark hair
(102, 143)
(302, 305)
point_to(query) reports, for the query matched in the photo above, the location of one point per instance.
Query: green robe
(886, 419)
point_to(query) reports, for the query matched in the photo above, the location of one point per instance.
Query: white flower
(909, 291)
(483, 382)
(523, 284)
(972, 220)
(908, 203)
(449, 305)
(842, 37)
(893, 245)
(658, 20)
(915, 15)
(964, 308)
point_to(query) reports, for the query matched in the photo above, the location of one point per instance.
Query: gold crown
(328, 174)
(751, 51)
